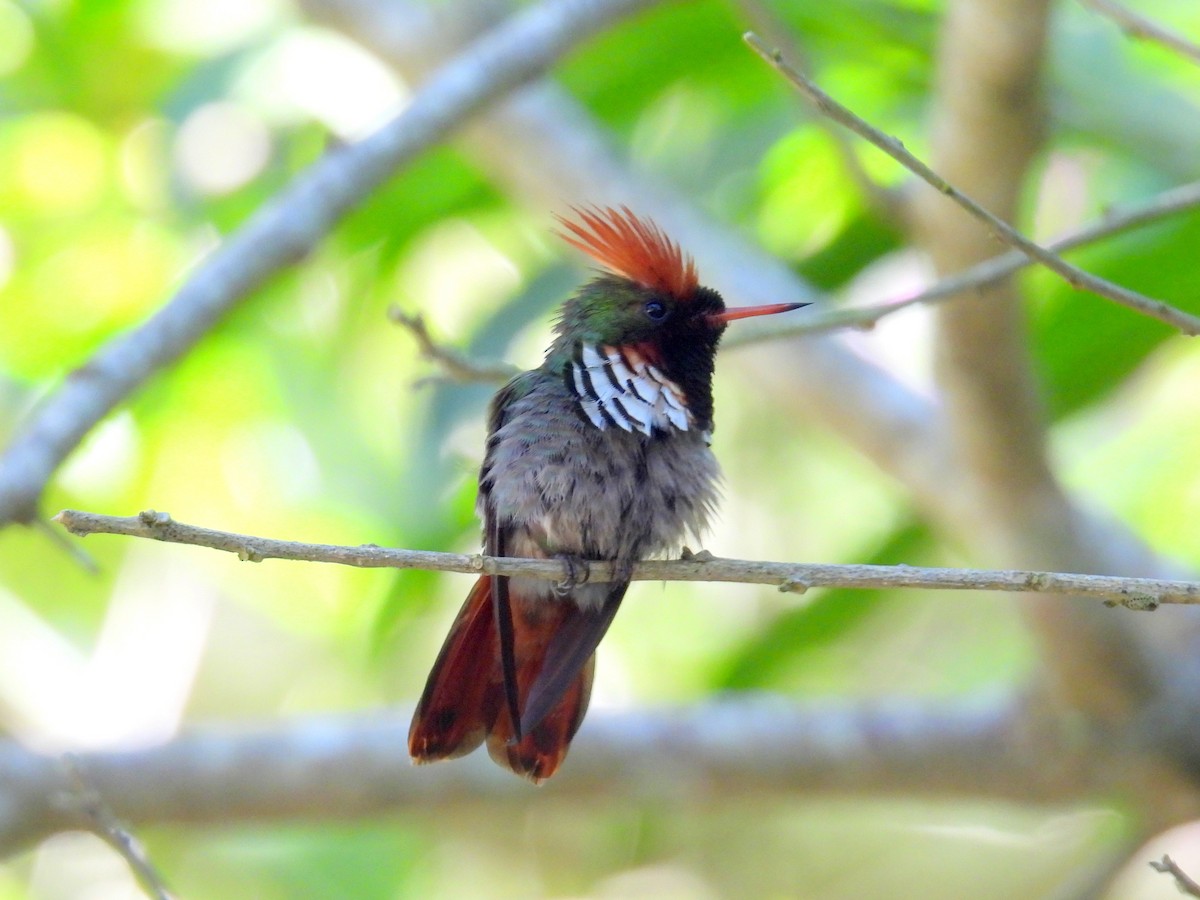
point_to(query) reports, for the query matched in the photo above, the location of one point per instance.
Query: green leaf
(863, 240)
(1085, 346)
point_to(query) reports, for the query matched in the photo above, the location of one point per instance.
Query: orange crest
(633, 247)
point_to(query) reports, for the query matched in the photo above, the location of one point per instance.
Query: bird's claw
(576, 571)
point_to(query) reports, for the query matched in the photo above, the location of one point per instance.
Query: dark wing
(544, 745)
(459, 703)
(568, 653)
(494, 544)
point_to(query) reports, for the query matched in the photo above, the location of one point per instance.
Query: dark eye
(655, 311)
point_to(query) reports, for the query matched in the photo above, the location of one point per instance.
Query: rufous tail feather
(464, 698)
(456, 709)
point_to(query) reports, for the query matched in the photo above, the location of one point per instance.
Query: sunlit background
(135, 133)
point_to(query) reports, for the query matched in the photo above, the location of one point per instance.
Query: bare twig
(1138, 26)
(287, 228)
(1185, 883)
(1073, 275)
(1133, 593)
(989, 272)
(456, 366)
(887, 201)
(105, 823)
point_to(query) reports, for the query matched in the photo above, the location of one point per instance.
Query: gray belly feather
(561, 486)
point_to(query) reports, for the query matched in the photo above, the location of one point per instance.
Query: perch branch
(285, 229)
(1138, 26)
(1072, 274)
(1133, 593)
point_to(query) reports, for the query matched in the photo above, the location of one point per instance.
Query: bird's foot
(701, 556)
(576, 572)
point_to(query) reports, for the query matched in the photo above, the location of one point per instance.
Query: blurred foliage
(135, 133)
(793, 635)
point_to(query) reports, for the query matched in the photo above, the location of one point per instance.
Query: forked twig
(1138, 26)
(1185, 883)
(1075, 276)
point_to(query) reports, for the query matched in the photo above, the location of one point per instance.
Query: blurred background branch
(88, 802)
(352, 766)
(1183, 881)
(1139, 26)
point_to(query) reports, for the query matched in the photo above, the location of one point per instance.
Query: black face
(707, 303)
(689, 346)
(666, 318)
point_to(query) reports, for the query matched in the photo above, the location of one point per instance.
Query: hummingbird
(601, 453)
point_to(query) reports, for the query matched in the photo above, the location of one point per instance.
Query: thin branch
(989, 272)
(456, 365)
(1132, 593)
(90, 802)
(1138, 26)
(887, 202)
(459, 367)
(288, 227)
(1185, 883)
(1073, 275)
(319, 768)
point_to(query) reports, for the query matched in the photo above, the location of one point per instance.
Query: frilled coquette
(601, 453)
